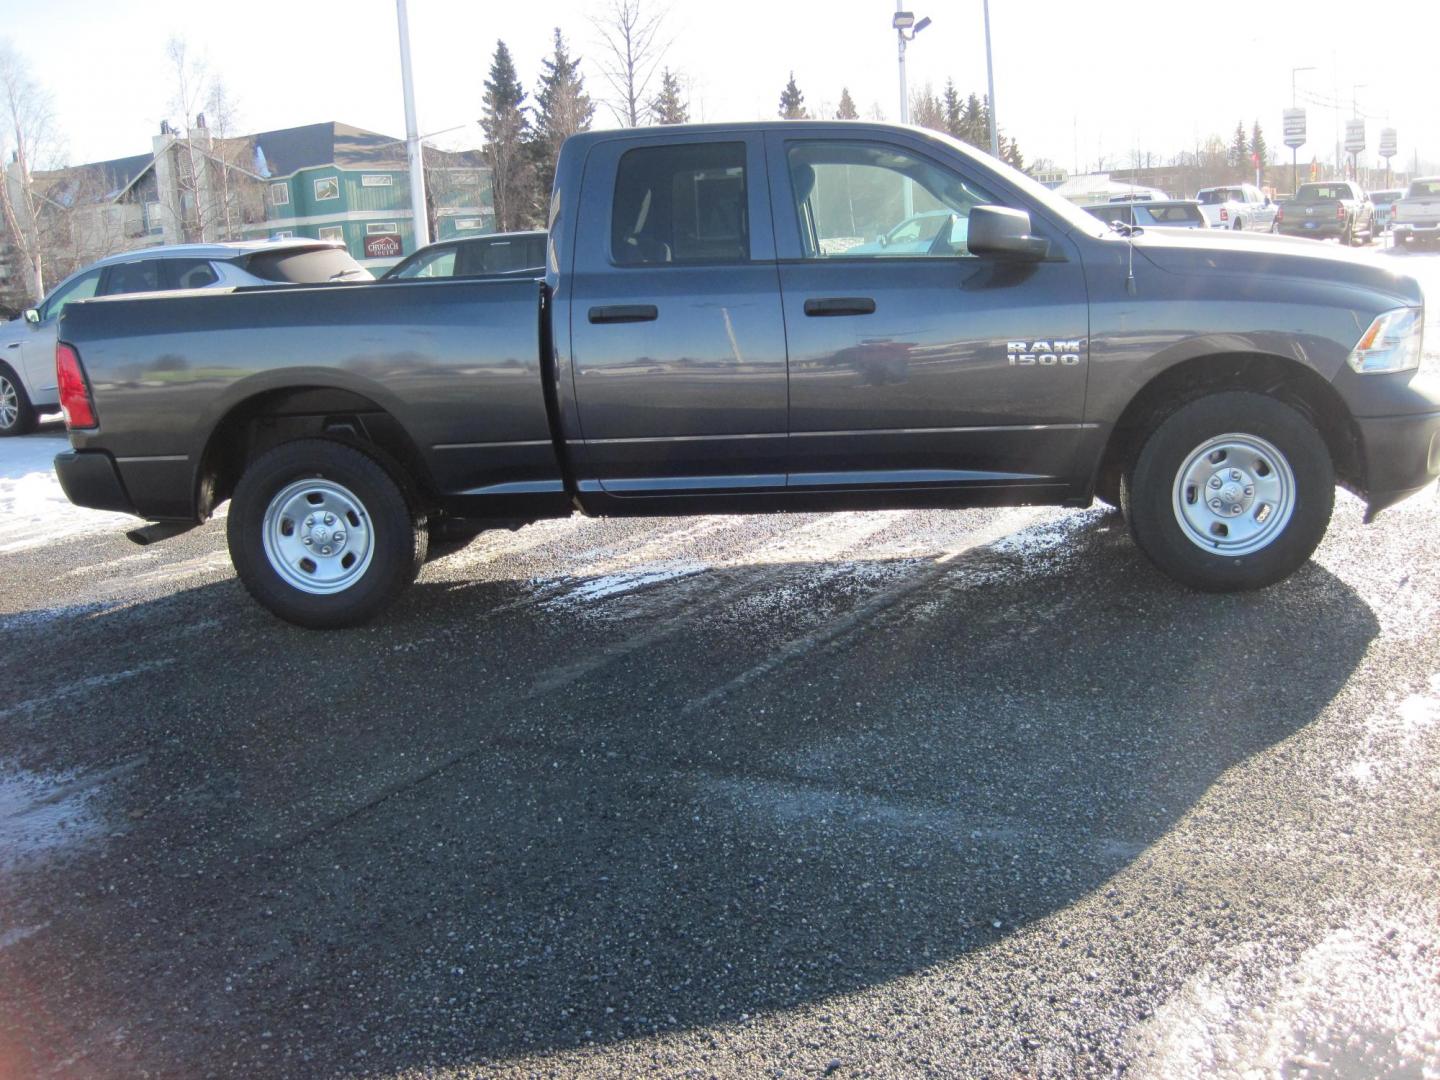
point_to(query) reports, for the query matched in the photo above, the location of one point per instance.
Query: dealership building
(328, 181)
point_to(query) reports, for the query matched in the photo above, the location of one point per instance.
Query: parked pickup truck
(1239, 206)
(706, 339)
(1336, 208)
(1417, 216)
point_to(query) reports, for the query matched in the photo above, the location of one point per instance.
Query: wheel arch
(1274, 376)
(269, 417)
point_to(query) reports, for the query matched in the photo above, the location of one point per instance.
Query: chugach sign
(382, 246)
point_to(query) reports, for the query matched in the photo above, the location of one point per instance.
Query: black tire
(1148, 491)
(17, 415)
(1239, 225)
(397, 536)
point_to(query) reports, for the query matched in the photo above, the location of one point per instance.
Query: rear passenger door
(677, 336)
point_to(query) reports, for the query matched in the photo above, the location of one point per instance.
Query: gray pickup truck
(1417, 214)
(720, 328)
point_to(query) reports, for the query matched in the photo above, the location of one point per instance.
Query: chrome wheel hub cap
(317, 536)
(1234, 494)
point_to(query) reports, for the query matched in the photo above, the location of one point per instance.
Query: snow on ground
(1360, 1003)
(33, 509)
(42, 814)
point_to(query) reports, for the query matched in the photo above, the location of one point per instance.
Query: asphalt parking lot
(896, 794)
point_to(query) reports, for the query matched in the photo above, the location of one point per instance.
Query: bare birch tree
(27, 144)
(632, 51)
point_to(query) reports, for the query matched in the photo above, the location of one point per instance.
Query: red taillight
(1280, 213)
(1224, 214)
(1392, 208)
(74, 393)
(1340, 212)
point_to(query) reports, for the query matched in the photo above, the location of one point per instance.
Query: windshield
(1220, 195)
(1425, 187)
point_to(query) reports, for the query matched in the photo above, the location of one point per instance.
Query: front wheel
(1232, 491)
(17, 415)
(322, 535)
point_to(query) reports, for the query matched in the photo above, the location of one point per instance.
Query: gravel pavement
(895, 794)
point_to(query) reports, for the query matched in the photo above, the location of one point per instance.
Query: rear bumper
(90, 478)
(1319, 229)
(1420, 232)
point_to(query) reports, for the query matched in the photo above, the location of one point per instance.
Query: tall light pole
(990, 75)
(905, 30)
(421, 227)
(1295, 150)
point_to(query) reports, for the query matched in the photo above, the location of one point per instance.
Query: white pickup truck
(1237, 206)
(1417, 215)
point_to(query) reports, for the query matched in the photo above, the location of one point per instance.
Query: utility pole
(1295, 150)
(414, 149)
(990, 74)
(904, 91)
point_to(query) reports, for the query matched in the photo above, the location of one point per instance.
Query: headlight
(1391, 344)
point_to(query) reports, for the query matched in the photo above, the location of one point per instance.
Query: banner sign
(1387, 142)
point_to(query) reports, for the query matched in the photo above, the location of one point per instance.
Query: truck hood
(1226, 252)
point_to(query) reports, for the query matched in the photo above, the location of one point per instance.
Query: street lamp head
(921, 25)
(903, 20)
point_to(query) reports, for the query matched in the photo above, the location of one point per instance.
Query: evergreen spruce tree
(1258, 148)
(792, 101)
(506, 130)
(974, 123)
(954, 109)
(669, 105)
(847, 110)
(1240, 150)
(563, 108)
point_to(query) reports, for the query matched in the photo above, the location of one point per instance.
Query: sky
(1071, 84)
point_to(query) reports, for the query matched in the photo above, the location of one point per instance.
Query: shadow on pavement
(467, 833)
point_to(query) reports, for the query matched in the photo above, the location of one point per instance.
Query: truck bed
(455, 362)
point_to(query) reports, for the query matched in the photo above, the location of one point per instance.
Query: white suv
(27, 345)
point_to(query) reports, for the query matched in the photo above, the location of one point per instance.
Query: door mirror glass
(1000, 232)
(32, 316)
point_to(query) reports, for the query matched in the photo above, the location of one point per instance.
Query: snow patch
(43, 814)
(1361, 1002)
(33, 508)
(594, 590)
(1389, 738)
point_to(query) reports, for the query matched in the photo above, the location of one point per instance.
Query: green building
(335, 181)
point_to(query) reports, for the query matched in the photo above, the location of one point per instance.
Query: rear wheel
(17, 415)
(1232, 491)
(322, 535)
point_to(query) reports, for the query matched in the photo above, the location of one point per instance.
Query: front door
(914, 364)
(676, 331)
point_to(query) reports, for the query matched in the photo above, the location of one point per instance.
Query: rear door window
(684, 203)
(140, 276)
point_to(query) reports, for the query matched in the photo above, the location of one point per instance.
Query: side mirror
(32, 316)
(1267, 200)
(1004, 233)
